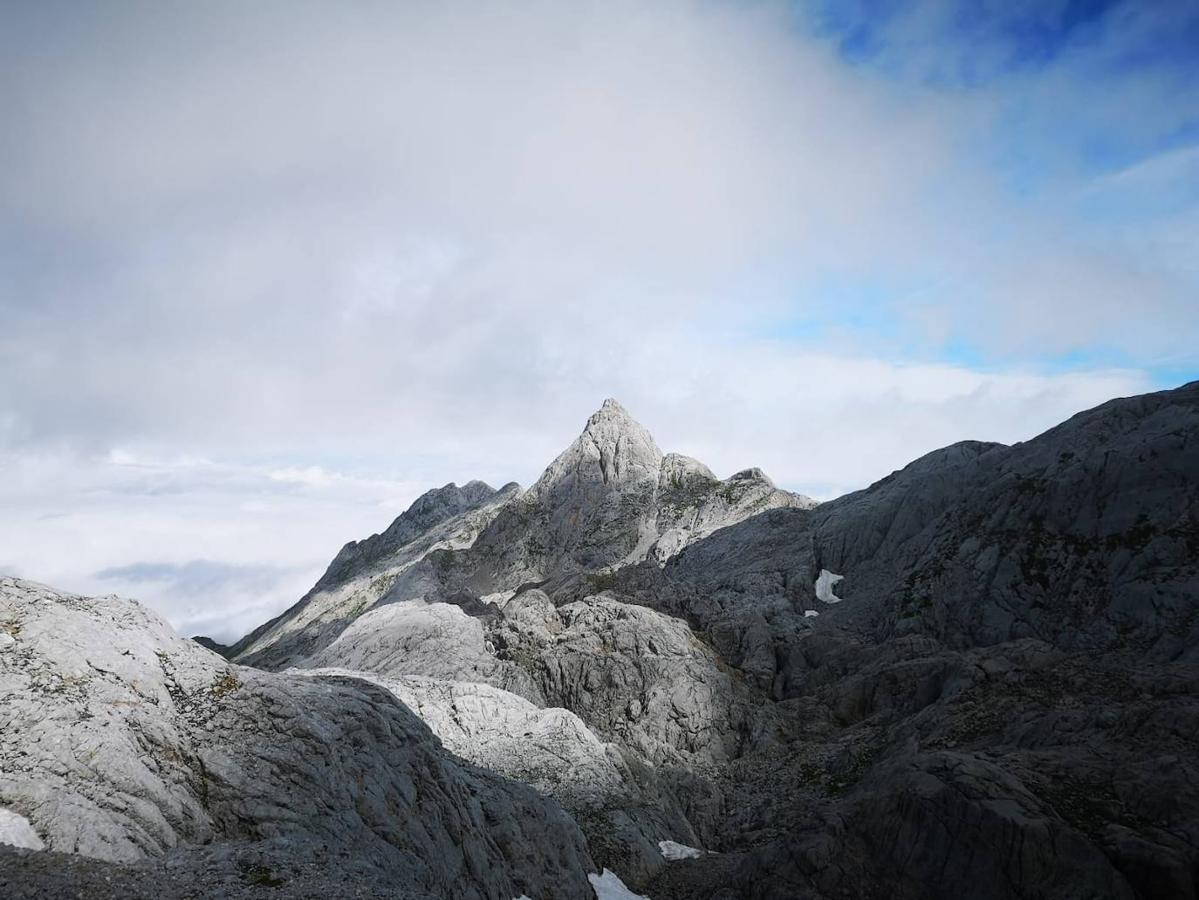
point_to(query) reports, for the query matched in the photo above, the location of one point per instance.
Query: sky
(268, 271)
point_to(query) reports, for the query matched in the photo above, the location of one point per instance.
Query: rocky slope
(451, 612)
(977, 677)
(884, 695)
(121, 741)
(447, 518)
(1005, 704)
(610, 499)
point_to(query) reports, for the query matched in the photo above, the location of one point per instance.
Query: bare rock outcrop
(121, 741)
(365, 571)
(610, 499)
(983, 663)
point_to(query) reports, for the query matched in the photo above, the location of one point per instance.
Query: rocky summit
(978, 677)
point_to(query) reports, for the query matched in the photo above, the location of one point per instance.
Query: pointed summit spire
(613, 449)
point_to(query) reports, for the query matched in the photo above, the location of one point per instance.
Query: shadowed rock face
(1005, 704)
(209, 644)
(930, 733)
(1086, 537)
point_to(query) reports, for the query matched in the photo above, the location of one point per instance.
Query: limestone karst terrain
(977, 677)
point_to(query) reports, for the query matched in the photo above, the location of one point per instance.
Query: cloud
(196, 576)
(204, 596)
(268, 271)
(220, 547)
(217, 547)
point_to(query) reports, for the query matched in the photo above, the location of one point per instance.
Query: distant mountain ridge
(609, 499)
(444, 518)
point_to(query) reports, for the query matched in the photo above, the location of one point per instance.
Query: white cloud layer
(268, 271)
(220, 548)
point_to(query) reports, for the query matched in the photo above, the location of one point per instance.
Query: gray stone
(125, 741)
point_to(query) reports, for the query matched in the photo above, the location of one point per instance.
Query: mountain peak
(614, 448)
(612, 411)
(613, 405)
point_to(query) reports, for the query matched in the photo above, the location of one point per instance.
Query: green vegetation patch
(225, 685)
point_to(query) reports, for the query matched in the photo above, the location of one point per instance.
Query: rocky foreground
(978, 677)
(124, 742)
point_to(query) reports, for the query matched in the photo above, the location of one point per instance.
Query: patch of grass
(1091, 808)
(683, 494)
(225, 685)
(601, 581)
(381, 584)
(840, 782)
(812, 774)
(261, 876)
(69, 684)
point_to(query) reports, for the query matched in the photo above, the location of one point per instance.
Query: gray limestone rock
(610, 499)
(364, 572)
(999, 697)
(642, 678)
(121, 741)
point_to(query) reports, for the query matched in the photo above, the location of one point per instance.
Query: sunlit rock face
(122, 741)
(364, 571)
(15, 831)
(608, 500)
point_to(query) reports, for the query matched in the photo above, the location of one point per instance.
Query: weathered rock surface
(977, 677)
(636, 677)
(436, 640)
(897, 693)
(120, 741)
(642, 678)
(610, 499)
(363, 572)
(1004, 704)
(551, 749)
(1008, 772)
(242, 873)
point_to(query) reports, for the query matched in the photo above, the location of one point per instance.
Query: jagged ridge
(609, 499)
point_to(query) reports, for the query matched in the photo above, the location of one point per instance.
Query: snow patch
(609, 887)
(810, 614)
(17, 831)
(671, 850)
(6, 640)
(824, 586)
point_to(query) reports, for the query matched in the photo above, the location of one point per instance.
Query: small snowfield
(672, 851)
(608, 886)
